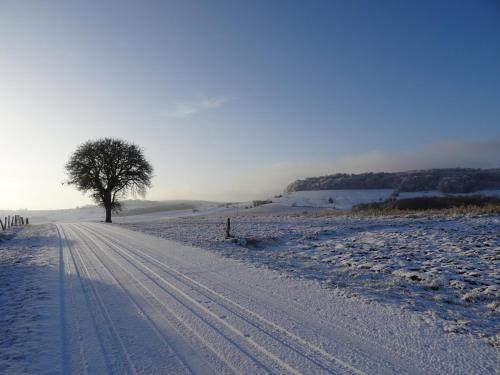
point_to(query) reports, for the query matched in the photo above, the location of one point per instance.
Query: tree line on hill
(449, 180)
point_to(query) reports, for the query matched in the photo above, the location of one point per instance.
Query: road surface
(135, 304)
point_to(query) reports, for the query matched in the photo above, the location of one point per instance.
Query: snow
(29, 327)
(49, 216)
(93, 213)
(342, 199)
(345, 199)
(291, 203)
(93, 298)
(446, 268)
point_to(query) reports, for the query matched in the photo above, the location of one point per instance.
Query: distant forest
(450, 180)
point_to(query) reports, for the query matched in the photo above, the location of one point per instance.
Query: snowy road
(132, 303)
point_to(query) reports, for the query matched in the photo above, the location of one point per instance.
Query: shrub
(257, 203)
(430, 203)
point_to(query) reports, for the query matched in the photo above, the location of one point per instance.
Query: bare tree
(109, 169)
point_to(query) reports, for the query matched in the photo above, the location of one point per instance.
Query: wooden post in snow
(2, 224)
(228, 228)
(27, 221)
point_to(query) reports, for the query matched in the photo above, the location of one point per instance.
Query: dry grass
(489, 209)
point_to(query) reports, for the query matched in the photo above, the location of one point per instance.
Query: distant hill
(131, 204)
(449, 180)
(93, 212)
(161, 206)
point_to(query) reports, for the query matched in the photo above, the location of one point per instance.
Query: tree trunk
(106, 200)
(108, 214)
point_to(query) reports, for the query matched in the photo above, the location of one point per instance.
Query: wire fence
(13, 221)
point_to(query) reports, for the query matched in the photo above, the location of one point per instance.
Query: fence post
(228, 228)
(27, 221)
(2, 224)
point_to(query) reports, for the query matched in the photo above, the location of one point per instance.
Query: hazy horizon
(233, 101)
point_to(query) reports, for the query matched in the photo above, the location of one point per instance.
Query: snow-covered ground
(93, 213)
(345, 199)
(342, 199)
(89, 298)
(29, 301)
(291, 203)
(49, 216)
(446, 268)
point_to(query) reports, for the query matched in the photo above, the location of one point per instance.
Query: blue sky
(233, 99)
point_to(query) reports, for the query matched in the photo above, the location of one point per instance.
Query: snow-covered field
(345, 199)
(342, 199)
(292, 203)
(294, 292)
(89, 298)
(130, 209)
(29, 304)
(446, 268)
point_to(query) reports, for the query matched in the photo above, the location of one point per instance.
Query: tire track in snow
(297, 344)
(248, 340)
(288, 339)
(192, 329)
(62, 307)
(394, 365)
(71, 272)
(109, 326)
(151, 323)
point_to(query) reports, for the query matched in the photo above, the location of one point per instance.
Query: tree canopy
(109, 169)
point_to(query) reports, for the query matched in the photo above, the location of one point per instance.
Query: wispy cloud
(191, 108)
